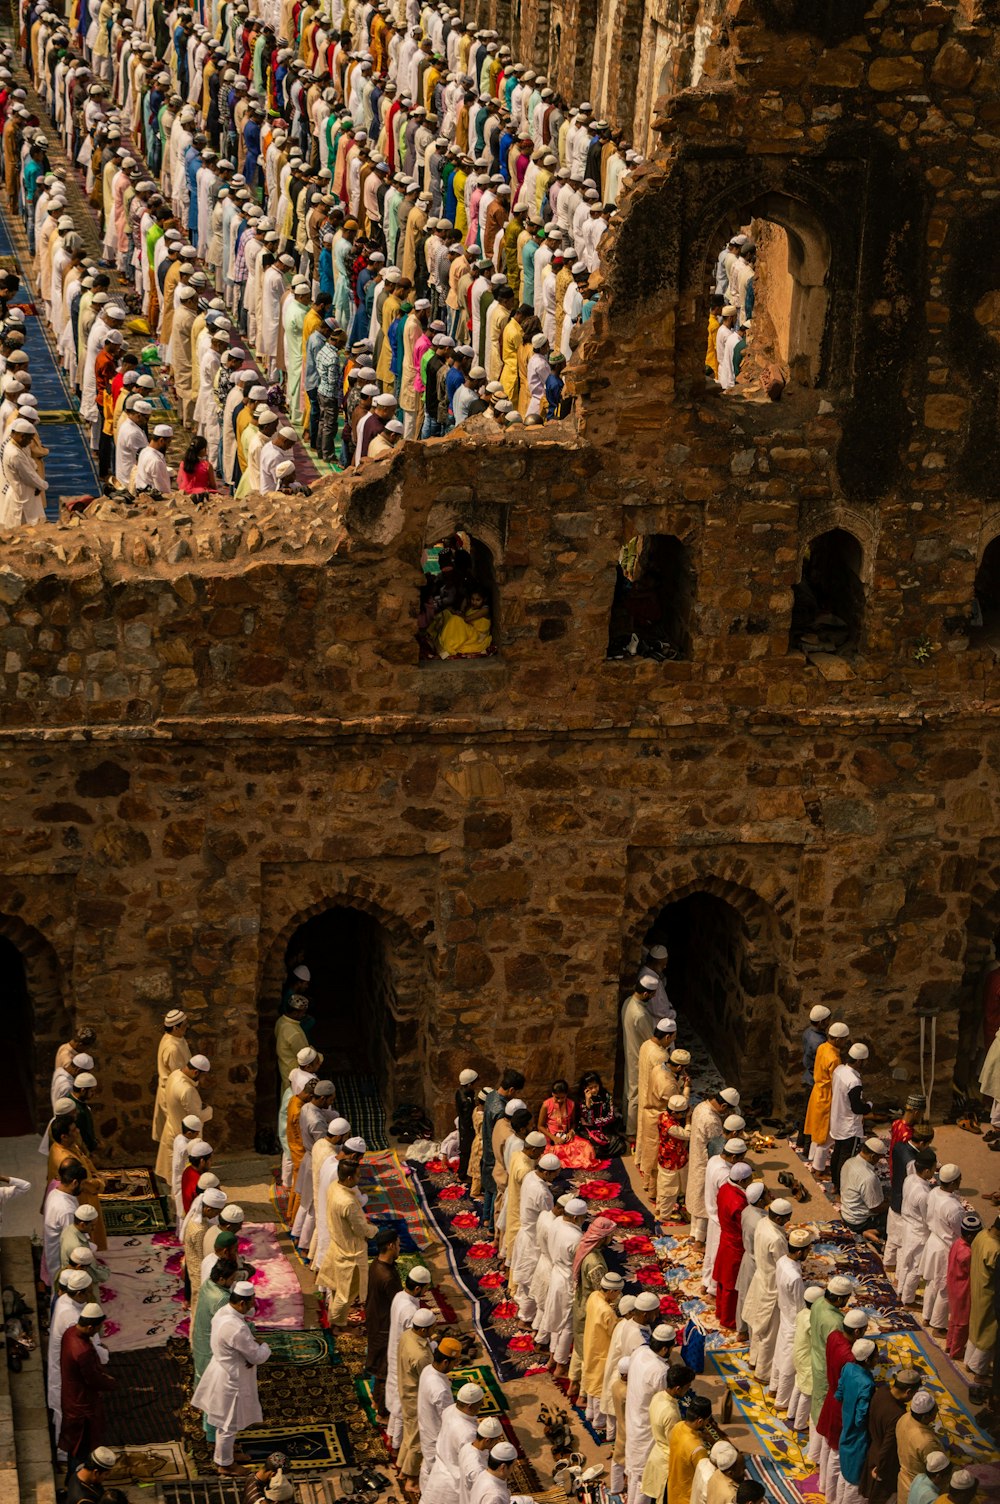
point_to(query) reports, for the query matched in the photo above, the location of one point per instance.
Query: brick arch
(408, 931)
(989, 530)
(50, 1019)
(849, 520)
(766, 930)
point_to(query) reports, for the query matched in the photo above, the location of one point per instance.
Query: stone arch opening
(986, 598)
(459, 607)
(36, 1023)
(829, 599)
(778, 280)
(368, 993)
(653, 602)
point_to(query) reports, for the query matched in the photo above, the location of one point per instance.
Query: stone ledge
(29, 1413)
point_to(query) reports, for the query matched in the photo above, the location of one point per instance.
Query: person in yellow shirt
(687, 1449)
(511, 341)
(714, 320)
(600, 1320)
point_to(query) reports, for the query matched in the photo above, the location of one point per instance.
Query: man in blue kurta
(854, 1391)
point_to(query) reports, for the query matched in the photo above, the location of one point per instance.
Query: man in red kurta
(83, 1382)
(199, 1160)
(959, 1288)
(731, 1201)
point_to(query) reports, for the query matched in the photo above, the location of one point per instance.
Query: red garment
(901, 1132)
(83, 1382)
(189, 1186)
(838, 1355)
(203, 479)
(959, 1296)
(672, 1153)
(731, 1201)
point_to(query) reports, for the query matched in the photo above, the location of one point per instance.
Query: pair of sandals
(574, 1477)
(558, 1433)
(410, 1123)
(365, 1481)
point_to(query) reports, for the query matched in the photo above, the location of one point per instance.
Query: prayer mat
(838, 1251)
(279, 1295)
(495, 1402)
(359, 1102)
(310, 1349)
(163, 1462)
(781, 1487)
(308, 1446)
(758, 1410)
(142, 1297)
(132, 1204)
(387, 1184)
(145, 1405)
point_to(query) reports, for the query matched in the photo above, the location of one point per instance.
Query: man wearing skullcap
(902, 1154)
(888, 1402)
(730, 1151)
(458, 1428)
(465, 1103)
(227, 1392)
(957, 1286)
(74, 1292)
(730, 1205)
(791, 1300)
(535, 1214)
(384, 1284)
(415, 1353)
(637, 1027)
(83, 1381)
(916, 1440)
(672, 1151)
(556, 1321)
(406, 1303)
(812, 1037)
(817, 1122)
(854, 1394)
(521, 1164)
(314, 1120)
(172, 1053)
(760, 1309)
(944, 1224)
(706, 1124)
(647, 1375)
(825, 1318)
(687, 1450)
(913, 1218)
(839, 1347)
(600, 1320)
(799, 1401)
(658, 1082)
(983, 1267)
(434, 1398)
(212, 1296)
(344, 1271)
(848, 1106)
(862, 1199)
(22, 501)
(181, 1099)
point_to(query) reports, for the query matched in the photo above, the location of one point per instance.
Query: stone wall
(216, 727)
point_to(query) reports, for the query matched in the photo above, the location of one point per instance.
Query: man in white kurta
(791, 1298)
(536, 1197)
(434, 1398)
(647, 1375)
(190, 1131)
(637, 1027)
(749, 1218)
(637, 1313)
(473, 1456)
(172, 1053)
(557, 1318)
(405, 1305)
(337, 1133)
(760, 1310)
(182, 1099)
(944, 1225)
(706, 1124)
(227, 1391)
(716, 1174)
(458, 1426)
(313, 1120)
(60, 1208)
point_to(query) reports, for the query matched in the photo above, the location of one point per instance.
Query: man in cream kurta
(760, 1309)
(637, 1027)
(181, 1099)
(172, 1053)
(344, 1271)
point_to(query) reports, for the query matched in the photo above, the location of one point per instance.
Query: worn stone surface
(215, 725)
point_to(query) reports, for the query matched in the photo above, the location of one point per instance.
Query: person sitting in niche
(466, 632)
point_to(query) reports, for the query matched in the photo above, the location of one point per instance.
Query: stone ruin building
(220, 749)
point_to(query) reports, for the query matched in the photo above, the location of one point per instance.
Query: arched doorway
(35, 1024)
(719, 987)
(986, 608)
(829, 599)
(653, 602)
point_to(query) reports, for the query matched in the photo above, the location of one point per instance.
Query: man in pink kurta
(958, 1286)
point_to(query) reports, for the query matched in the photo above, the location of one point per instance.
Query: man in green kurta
(295, 310)
(826, 1316)
(982, 1310)
(213, 1295)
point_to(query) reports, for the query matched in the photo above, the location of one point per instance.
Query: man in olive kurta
(412, 1358)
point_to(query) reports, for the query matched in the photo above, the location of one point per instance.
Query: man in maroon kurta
(83, 1383)
(731, 1201)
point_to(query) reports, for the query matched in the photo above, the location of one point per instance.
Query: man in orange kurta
(817, 1124)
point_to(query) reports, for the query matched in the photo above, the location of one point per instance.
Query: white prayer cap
(287, 432)
(839, 1031)
(647, 1301)
(535, 1140)
(781, 1207)
(677, 1104)
(578, 268)
(624, 1363)
(83, 1062)
(214, 1198)
(303, 973)
(947, 1174)
(626, 1305)
(470, 1394)
(839, 1284)
(423, 1317)
(192, 1122)
(664, 1333)
(538, 341)
(515, 1105)
(92, 1312)
(186, 294)
(922, 1402)
(729, 310)
(104, 1457)
(387, 399)
(200, 1063)
(356, 1145)
(858, 1052)
(163, 431)
(800, 1237)
(611, 1281)
(370, 390)
(243, 1290)
(21, 425)
(648, 981)
(723, 1454)
(232, 1214)
(285, 469)
(174, 1017)
(264, 417)
(731, 1095)
(862, 1350)
(504, 1451)
(142, 407)
(550, 1162)
(811, 1293)
(419, 1275)
(338, 1127)
(819, 1014)
(565, 1199)
(84, 1080)
(576, 1207)
(667, 1026)
(735, 1146)
(75, 1280)
(394, 426)
(208, 1181)
(466, 1078)
(755, 1191)
(740, 1172)
(280, 1490)
(81, 1256)
(876, 1146)
(324, 1089)
(308, 1056)
(489, 1428)
(658, 952)
(199, 1148)
(936, 1462)
(962, 1480)
(734, 1124)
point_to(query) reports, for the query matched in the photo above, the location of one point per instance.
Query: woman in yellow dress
(817, 1124)
(467, 633)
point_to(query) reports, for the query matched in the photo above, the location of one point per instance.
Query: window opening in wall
(653, 599)
(17, 1110)
(985, 618)
(458, 599)
(768, 302)
(829, 599)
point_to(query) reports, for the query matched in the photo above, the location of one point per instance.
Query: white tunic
(647, 1375)
(944, 1225)
(535, 1198)
(489, 1489)
(434, 1397)
(60, 1209)
(844, 1121)
(769, 1244)
(401, 1313)
(705, 1124)
(471, 1462)
(559, 1302)
(626, 1337)
(538, 1289)
(227, 1390)
(444, 1480)
(791, 1300)
(329, 1172)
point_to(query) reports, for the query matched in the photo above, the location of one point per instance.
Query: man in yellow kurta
(664, 1414)
(172, 1052)
(599, 1322)
(412, 1357)
(657, 1084)
(290, 1037)
(344, 1270)
(982, 1309)
(524, 1160)
(817, 1123)
(510, 344)
(181, 1099)
(687, 1448)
